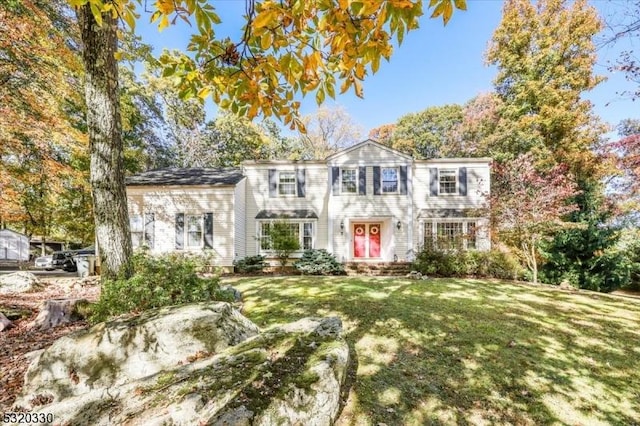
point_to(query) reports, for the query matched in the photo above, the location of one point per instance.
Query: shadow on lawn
(470, 352)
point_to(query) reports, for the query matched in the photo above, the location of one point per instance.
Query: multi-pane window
(136, 223)
(450, 235)
(349, 181)
(389, 180)
(303, 231)
(265, 236)
(194, 229)
(307, 236)
(448, 180)
(141, 230)
(471, 236)
(287, 183)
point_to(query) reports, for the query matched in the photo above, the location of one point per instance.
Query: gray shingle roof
(190, 176)
(287, 214)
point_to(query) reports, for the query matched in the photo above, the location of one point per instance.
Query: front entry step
(378, 268)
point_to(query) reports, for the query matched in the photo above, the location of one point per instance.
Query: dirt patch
(21, 339)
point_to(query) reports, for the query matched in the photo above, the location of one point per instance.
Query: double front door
(366, 240)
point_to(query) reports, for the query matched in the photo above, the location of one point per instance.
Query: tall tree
(41, 106)
(431, 133)
(99, 33)
(328, 130)
(545, 57)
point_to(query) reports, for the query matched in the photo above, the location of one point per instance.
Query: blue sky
(435, 65)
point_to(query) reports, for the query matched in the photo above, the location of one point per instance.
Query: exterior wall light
(342, 227)
(399, 225)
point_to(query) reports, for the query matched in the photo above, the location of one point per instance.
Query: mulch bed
(21, 339)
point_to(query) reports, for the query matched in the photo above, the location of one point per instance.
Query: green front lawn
(455, 351)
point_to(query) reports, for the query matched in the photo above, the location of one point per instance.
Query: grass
(457, 351)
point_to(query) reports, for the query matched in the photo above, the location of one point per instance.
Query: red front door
(366, 240)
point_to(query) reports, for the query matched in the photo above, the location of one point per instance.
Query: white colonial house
(367, 203)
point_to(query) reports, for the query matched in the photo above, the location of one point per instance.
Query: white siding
(13, 246)
(478, 179)
(240, 207)
(257, 198)
(386, 209)
(166, 202)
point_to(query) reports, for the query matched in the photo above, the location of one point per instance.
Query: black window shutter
(180, 231)
(335, 180)
(149, 229)
(362, 180)
(300, 181)
(433, 181)
(403, 179)
(376, 180)
(462, 181)
(273, 183)
(208, 230)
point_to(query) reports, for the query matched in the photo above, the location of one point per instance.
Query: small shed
(14, 246)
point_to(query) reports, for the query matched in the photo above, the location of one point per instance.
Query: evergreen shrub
(319, 262)
(250, 264)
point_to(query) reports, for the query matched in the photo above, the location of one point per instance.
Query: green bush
(319, 262)
(458, 263)
(250, 264)
(171, 279)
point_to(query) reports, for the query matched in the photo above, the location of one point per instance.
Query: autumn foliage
(529, 206)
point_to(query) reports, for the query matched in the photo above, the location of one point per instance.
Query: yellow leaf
(358, 87)
(263, 19)
(164, 23)
(204, 92)
(266, 40)
(97, 13)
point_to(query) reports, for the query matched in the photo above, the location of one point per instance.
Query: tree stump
(4, 322)
(57, 312)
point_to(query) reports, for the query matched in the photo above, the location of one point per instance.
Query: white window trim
(356, 181)
(200, 216)
(295, 183)
(300, 223)
(456, 173)
(397, 191)
(465, 229)
(143, 218)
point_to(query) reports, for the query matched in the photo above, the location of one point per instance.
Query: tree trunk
(105, 143)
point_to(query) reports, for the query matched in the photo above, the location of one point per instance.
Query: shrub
(170, 279)
(250, 264)
(458, 263)
(319, 262)
(283, 241)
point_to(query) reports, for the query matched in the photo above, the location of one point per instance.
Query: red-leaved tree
(528, 205)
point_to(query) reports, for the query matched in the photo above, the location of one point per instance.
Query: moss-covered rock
(290, 374)
(121, 351)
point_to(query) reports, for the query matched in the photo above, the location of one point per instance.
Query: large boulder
(19, 282)
(189, 365)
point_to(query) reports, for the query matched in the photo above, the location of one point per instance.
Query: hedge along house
(367, 203)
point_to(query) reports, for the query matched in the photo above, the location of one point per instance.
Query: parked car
(64, 260)
(45, 262)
